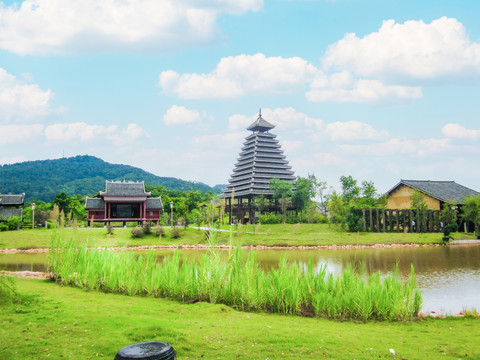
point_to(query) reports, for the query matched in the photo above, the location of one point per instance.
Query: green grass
(267, 235)
(67, 322)
(239, 282)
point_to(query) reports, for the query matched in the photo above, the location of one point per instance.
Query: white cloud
(220, 142)
(179, 115)
(12, 160)
(412, 49)
(20, 101)
(40, 27)
(81, 132)
(347, 89)
(457, 131)
(240, 75)
(421, 147)
(350, 130)
(13, 134)
(291, 146)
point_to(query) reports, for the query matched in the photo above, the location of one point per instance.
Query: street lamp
(33, 216)
(171, 213)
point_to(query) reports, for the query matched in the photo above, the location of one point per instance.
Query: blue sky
(379, 90)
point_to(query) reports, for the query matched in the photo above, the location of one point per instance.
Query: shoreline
(245, 247)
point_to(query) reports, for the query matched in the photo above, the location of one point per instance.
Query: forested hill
(79, 175)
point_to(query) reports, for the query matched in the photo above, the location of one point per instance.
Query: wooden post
(371, 219)
(364, 220)
(384, 222)
(378, 220)
(398, 220)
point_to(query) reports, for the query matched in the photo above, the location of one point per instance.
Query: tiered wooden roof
(261, 159)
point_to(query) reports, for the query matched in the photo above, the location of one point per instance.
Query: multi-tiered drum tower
(261, 159)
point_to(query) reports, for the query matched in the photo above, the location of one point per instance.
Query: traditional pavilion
(261, 159)
(124, 202)
(11, 205)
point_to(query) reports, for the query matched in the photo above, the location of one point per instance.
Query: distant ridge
(79, 175)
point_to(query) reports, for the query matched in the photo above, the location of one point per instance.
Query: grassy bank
(268, 235)
(239, 282)
(70, 323)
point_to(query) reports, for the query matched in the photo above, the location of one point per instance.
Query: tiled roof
(12, 199)
(260, 125)
(440, 190)
(7, 213)
(124, 188)
(94, 203)
(154, 203)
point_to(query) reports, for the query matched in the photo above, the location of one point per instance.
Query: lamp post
(33, 216)
(171, 213)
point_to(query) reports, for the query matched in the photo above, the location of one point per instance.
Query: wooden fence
(398, 220)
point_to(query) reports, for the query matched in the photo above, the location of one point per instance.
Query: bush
(447, 230)
(175, 232)
(292, 219)
(147, 228)
(159, 230)
(109, 229)
(137, 232)
(3, 226)
(13, 222)
(270, 218)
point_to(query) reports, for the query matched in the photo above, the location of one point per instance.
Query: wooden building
(124, 202)
(436, 193)
(11, 205)
(261, 159)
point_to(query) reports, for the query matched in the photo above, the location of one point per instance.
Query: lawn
(268, 235)
(64, 322)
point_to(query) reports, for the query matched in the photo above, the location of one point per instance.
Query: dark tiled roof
(124, 188)
(154, 203)
(12, 199)
(94, 203)
(440, 190)
(7, 213)
(260, 125)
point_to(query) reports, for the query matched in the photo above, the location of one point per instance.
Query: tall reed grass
(239, 282)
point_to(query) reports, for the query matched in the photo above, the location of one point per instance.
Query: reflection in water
(448, 276)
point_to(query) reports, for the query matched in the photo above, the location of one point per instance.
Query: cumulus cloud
(20, 101)
(220, 142)
(457, 131)
(361, 91)
(236, 76)
(420, 147)
(179, 115)
(81, 132)
(413, 49)
(41, 27)
(351, 130)
(19, 134)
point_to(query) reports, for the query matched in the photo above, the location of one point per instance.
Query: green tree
(193, 199)
(63, 202)
(471, 211)
(319, 190)
(419, 204)
(302, 195)
(449, 213)
(350, 189)
(337, 208)
(282, 191)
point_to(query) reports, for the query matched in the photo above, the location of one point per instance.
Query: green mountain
(79, 175)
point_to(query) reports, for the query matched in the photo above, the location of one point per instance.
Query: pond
(447, 276)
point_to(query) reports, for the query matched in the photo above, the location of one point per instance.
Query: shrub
(270, 218)
(109, 229)
(137, 232)
(13, 222)
(175, 232)
(447, 230)
(3, 226)
(147, 227)
(292, 219)
(159, 230)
